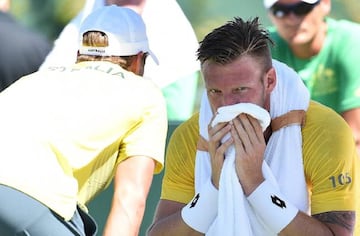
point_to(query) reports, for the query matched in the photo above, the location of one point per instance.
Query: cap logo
(96, 50)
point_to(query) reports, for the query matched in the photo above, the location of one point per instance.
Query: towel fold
(227, 113)
(282, 159)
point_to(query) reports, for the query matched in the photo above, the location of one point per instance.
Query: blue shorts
(22, 215)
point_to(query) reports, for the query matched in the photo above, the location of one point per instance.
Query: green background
(50, 16)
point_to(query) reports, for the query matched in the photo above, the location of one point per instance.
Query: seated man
(298, 176)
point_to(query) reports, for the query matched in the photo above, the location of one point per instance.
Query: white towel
(283, 163)
(228, 113)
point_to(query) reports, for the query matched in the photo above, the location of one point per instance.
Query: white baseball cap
(269, 3)
(124, 28)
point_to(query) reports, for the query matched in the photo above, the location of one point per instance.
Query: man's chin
(298, 39)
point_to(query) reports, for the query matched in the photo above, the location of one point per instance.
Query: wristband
(273, 208)
(200, 213)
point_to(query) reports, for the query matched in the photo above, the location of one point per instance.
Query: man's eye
(214, 91)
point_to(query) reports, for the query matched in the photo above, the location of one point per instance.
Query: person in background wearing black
(22, 51)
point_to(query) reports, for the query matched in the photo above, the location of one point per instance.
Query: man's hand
(217, 149)
(249, 148)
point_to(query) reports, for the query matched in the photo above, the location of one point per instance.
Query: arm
(178, 181)
(136, 5)
(168, 220)
(329, 223)
(132, 182)
(348, 77)
(352, 117)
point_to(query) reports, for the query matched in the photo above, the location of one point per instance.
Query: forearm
(171, 225)
(303, 224)
(125, 217)
(195, 218)
(284, 218)
(131, 187)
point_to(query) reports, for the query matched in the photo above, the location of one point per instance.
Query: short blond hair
(100, 39)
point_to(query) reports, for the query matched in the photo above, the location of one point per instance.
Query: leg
(22, 215)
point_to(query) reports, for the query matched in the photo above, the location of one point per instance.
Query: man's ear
(270, 81)
(77, 56)
(137, 65)
(325, 6)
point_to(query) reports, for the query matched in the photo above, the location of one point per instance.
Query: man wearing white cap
(80, 127)
(178, 71)
(322, 50)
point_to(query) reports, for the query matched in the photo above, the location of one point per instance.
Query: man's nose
(229, 99)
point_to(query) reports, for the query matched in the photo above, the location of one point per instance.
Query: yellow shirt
(329, 155)
(64, 130)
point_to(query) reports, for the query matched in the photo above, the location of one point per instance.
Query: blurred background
(50, 16)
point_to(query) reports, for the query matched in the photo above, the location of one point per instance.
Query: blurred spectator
(323, 51)
(172, 39)
(22, 50)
